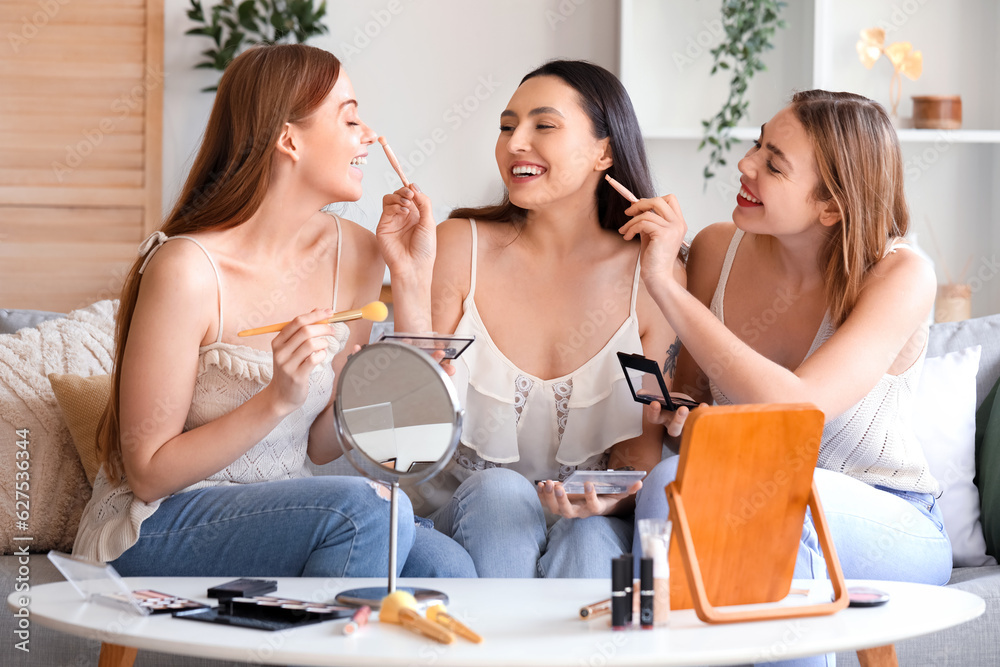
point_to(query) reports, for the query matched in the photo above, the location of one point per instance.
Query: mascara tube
(621, 599)
(646, 593)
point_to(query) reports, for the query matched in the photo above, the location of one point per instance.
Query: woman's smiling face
(779, 180)
(547, 150)
(334, 144)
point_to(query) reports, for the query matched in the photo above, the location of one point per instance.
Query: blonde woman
(819, 221)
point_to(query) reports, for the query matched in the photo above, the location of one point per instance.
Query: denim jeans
(497, 517)
(434, 554)
(322, 526)
(878, 533)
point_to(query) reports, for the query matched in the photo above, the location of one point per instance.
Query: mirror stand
(398, 417)
(372, 595)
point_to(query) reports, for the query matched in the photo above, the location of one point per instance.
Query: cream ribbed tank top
(228, 375)
(872, 441)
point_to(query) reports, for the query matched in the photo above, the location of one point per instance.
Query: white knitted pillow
(82, 343)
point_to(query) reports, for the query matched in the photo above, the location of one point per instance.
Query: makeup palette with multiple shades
(156, 602)
(267, 612)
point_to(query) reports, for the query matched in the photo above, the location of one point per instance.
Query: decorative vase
(953, 303)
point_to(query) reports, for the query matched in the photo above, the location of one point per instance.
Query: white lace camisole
(228, 375)
(543, 429)
(873, 441)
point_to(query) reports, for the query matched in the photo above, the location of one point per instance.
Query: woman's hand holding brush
(407, 238)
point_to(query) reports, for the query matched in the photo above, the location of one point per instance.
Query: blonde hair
(261, 90)
(861, 170)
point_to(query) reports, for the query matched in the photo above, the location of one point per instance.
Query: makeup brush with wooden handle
(401, 608)
(437, 614)
(373, 312)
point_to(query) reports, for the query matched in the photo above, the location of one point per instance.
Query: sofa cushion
(988, 468)
(81, 343)
(952, 336)
(13, 320)
(82, 401)
(948, 439)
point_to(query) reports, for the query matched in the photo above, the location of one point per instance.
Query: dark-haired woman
(551, 291)
(205, 436)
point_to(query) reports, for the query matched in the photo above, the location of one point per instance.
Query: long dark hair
(261, 90)
(605, 101)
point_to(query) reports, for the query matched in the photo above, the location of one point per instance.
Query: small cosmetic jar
(937, 112)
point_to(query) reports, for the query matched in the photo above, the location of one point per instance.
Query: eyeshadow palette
(265, 612)
(156, 602)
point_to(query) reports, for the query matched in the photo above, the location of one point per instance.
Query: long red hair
(261, 90)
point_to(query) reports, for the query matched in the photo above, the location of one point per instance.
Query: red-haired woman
(204, 440)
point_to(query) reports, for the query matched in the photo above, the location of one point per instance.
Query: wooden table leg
(880, 656)
(113, 655)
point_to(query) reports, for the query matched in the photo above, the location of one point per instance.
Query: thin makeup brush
(393, 161)
(373, 312)
(625, 192)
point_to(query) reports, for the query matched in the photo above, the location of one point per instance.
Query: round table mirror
(398, 418)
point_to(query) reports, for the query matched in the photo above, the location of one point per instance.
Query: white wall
(432, 76)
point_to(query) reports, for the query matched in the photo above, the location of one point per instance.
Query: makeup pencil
(393, 161)
(625, 192)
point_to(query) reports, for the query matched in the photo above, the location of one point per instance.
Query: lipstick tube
(646, 593)
(621, 599)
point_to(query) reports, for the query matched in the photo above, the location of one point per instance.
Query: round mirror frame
(349, 445)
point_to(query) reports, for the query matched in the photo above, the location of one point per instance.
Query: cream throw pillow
(82, 343)
(82, 401)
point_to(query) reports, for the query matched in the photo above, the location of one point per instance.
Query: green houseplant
(233, 26)
(749, 27)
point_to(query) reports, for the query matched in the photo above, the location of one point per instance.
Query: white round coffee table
(525, 622)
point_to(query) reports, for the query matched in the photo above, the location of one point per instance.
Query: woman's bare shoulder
(358, 238)
(179, 287)
(454, 233)
(708, 252)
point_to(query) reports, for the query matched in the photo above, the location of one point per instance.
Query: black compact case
(243, 588)
(643, 364)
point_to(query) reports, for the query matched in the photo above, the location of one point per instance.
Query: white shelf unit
(951, 175)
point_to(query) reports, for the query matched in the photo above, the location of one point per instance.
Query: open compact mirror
(399, 419)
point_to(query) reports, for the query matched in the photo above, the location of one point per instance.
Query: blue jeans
(434, 554)
(497, 517)
(878, 533)
(322, 526)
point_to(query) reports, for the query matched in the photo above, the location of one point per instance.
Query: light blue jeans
(324, 526)
(878, 533)
(497, 516)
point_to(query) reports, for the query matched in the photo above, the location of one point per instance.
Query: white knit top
(228, 375)
(873, 441)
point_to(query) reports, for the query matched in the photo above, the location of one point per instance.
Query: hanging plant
(749, 27)
(235, 26)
